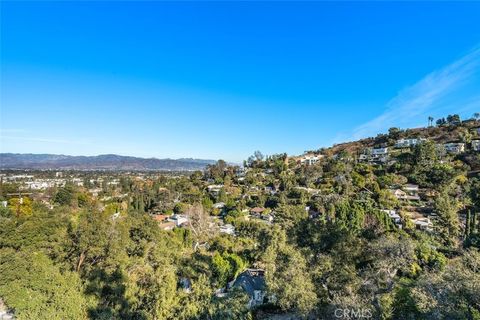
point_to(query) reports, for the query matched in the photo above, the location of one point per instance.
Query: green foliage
(37, 289)
(20, 206)
(226, 267)
(64, 196)
(287, 276)
(448, 224)
(329, 246)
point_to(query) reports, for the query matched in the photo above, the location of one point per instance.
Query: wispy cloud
(422, 97)
(46, 140)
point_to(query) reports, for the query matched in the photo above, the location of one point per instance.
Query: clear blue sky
(222, 79)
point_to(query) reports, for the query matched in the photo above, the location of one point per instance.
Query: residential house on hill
(454, 147)
(214, 189)
(423, 223)
(219, 205)
(375, 155)
(402, 195)
(167, 225)
(252, 281)
(178, 219)
(257, 211)
(379, 151)
(160, 217)
(310, 159)
(394, 216)
(412, 191)
(227, 229)
(476, 145)
(407, 143)
(420, 221)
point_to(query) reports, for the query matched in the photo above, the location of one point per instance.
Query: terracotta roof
(160, 217)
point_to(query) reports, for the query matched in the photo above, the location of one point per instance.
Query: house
(267, 217)
(454, 147)
(178, 219)
(407, 143)
(214, 189)
(402, 195)
(227, 229)
(219, 205)
(252, 281)
(4, 203)
(411, 188)
(374, 155)
(377, 152)
(310, 159)
(167, 225)
(399, 194)
(240, 171)
(412, 191)
(363, 157)
(257, 211)
(394, 216)
(476, 145)
(160, 217)
(270, 189)
(423, 223)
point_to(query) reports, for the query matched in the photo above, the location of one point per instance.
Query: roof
(160, 217)
(257, 210)
(251, 280)
(167, 225)
(409, 185)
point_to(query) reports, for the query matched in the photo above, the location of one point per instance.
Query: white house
(411, 188)
(310, 160)
(374, 154)
(423, 224)
(476, 145)
(402, 195)
(394, 216)
(412, 191)
(454, 147)
(178, 219)
(219, 205)
(379, 151)
(214, 189)
(227, 229)
(406, 143)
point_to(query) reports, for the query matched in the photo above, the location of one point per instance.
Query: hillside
(100, 162)
(440, 134)
(387, 227)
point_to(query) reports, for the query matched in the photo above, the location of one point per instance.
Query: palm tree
(430, 121)
(476, 115)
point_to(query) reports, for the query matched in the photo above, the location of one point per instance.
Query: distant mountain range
(100, 162)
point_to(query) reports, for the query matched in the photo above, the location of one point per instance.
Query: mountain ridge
(46, 161)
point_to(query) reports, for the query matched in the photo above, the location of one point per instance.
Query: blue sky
(222, 79)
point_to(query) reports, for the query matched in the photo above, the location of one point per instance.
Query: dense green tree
(37, 289)
(448, 224)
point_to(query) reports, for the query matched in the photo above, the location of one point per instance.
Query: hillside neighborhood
(241, 225)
